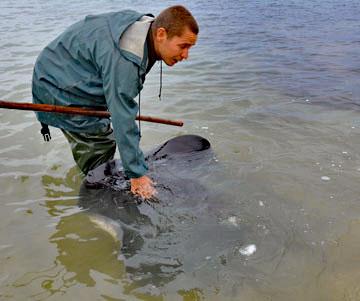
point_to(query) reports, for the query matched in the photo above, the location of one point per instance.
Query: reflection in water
(149, 233)
(140, 229)
(127, 243)
(97, 235)
(84, 248)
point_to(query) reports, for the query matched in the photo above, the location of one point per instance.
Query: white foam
(233, 220)
(248, 250)
(325, 178)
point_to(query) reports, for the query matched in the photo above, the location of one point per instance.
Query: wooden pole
(78, 111)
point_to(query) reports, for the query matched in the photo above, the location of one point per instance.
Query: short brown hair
(175, 19)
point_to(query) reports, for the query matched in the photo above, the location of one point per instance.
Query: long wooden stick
(78, 111)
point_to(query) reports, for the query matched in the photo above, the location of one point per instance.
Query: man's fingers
(143, 187)
(145, 192)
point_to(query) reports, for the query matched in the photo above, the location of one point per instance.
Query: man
(101, 62)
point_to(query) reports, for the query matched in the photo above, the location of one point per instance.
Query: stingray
(176, 166)
(173, 166)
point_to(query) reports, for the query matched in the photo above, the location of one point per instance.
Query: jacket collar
(133, 44)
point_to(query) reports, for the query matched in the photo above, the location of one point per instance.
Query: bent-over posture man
(101, 63)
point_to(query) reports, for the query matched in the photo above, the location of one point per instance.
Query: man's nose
(185, 54)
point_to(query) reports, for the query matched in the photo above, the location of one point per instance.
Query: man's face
(176, 48)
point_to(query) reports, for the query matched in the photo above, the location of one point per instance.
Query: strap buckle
(45, 132)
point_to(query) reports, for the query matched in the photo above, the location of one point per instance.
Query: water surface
(274, 86)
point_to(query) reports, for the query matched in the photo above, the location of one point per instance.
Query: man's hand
(143, 187)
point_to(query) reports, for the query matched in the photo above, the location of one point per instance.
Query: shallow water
(274, 86)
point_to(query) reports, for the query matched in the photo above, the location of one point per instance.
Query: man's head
(174, 32)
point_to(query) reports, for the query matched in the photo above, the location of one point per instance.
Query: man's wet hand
(143, 187)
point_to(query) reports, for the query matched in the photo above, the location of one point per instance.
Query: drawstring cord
(139, 115)
(139, 102)
(160, 80)
(140, 95)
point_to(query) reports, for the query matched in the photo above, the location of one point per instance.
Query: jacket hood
(123, 30)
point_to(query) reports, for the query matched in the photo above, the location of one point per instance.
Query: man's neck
(152, 55)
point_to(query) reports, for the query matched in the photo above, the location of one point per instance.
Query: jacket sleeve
(121, 83)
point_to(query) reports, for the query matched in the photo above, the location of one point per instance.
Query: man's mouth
(173, 61)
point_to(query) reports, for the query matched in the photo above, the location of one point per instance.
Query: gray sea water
(275, 87)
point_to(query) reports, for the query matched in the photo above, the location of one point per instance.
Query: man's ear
(161, 34)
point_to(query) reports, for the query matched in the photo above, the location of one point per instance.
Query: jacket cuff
(138, 172)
